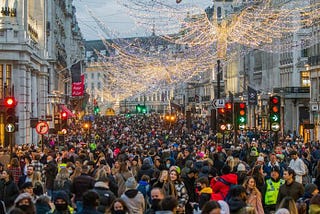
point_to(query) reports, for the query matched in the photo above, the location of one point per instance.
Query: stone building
(40, 40)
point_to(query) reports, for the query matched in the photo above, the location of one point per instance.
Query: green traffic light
(242, 119)
(274, 118)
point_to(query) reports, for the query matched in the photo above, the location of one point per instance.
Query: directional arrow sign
(242, 120)
(218, 103)
(10, 127)
(275, 127)
(274, 118)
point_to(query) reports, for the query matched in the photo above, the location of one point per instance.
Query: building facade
(40, 40)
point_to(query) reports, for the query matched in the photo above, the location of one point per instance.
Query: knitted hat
(241, 167)
(260, 158)
(309, 188)
(23, 196)
(61, 195)
(131, 183)
(282, 211)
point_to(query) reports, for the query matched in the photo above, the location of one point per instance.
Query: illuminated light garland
(259, 25)
(133, 69)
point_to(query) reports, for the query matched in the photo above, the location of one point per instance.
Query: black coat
(106, 197)
(8, 192)
(146, 169)
(51, 171)
(81, 184)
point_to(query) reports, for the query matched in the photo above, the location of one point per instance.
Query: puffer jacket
(220, 189)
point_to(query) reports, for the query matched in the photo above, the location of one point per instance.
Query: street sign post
(218, 103)
(42, 127)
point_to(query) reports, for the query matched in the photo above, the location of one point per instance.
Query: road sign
(229, 126)
(242, 127)
(42, 127)
(218, 103)
(275, 127)
(275, 117)
(10, 127)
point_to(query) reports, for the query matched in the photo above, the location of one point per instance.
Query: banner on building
(252, 96)
(78, 87)
(76, 72)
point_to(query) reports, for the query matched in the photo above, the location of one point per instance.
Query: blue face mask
(168, 165)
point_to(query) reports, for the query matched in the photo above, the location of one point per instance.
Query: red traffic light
(242, 105)
(10, 102)
(228, 106)
(275, 100)
(64, 115)
(221, 110)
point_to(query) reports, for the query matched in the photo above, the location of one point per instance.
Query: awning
(68, 111)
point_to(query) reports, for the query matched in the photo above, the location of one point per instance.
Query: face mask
(61, 206)
(168, 165)
(70, 172)
(155, 204)
(23, 207)
(199, 187)
(119, 212)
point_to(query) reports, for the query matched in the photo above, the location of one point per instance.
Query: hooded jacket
(106, 197)
(220, 189)
(134, 200)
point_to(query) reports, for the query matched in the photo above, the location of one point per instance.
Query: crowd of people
(142, 165)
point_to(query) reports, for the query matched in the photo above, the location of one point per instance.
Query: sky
(115, 17)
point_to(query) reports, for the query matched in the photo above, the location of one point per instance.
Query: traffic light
(229, 113)
(241, 110)
(63, 115)
(141, 109)
(63, 121)
(221, 118)
(96, 110)
(10, 104)
(274, 113)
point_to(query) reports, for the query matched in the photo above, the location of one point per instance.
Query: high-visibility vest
(272, 191)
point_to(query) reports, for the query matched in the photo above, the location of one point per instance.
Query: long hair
(289, 203)
(245, 184)
(209, 206)
(14, 162)
(62, 177)
(119, 200)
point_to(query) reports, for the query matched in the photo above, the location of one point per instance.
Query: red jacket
(220, 190)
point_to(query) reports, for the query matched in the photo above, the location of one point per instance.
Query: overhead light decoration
(133, 68)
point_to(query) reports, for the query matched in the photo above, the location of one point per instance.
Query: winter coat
(220, 189)
(146, 169)
(51, 171)
(314, 209)
(204, 196)
(8, 192)
(80, 185)
(106, 197)
(121, 179)
(295, 190)
(255, 200)
(134, 200)
(238, 206)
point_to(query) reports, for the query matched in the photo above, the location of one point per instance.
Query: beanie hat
(146, 161)
(61, 195)
(260, 158)
(241, 167)
(23, 196)
(282, 211)
(131, 183)
(309, 188)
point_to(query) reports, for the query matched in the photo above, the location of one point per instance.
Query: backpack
(228, 196)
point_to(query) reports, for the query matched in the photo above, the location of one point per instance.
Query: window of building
(305, 79)
(89, 54)
(92, 75)
(219, 13)
(99, 85)
(92, 86)
(98, 75)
